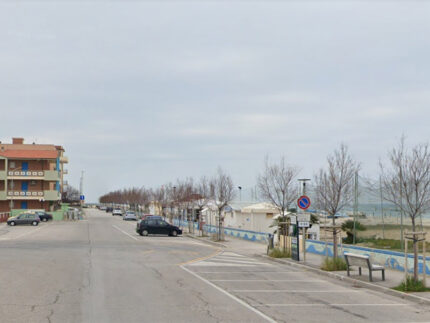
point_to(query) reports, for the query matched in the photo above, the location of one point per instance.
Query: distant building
(31, 175)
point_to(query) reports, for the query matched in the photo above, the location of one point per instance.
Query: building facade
(31, 175)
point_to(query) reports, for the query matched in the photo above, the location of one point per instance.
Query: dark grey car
(24, 218)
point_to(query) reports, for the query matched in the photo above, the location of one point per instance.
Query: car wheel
(12, 223)
(144, 233)
(34, 223)
(174, 233)
(44, 219)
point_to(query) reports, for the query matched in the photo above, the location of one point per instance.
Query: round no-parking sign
(304, 202)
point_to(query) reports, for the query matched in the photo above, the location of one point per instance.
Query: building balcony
(33, 195)
(47, 175)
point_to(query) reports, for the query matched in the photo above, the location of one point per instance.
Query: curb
(385, 290)
(217, 244)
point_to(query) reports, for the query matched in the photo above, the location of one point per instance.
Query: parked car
(24, 218)
(109, 209)
(129, 215)
(102, 208)
(153, 225)
(43, 216)
(117, 212)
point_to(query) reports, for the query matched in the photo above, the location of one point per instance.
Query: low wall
(56, 215)
(233, 232)
(389, 259)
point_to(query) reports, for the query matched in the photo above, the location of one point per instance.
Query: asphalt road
(100, 270)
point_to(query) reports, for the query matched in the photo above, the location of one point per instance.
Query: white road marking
(249, 272)
(25, 233)
(292, 291)
(126, 233)
(270, 280)
(218, 264)
(334, 304)
(239, 262)
(264, 316)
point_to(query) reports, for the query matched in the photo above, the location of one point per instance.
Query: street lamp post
(240, 193)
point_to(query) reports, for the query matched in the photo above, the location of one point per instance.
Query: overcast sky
(141, 93)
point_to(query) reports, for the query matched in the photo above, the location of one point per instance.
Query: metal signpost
(304, 220)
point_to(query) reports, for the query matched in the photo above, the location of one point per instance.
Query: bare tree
(70, 194)
(334, 186)
(203, 194)
(222, 192)
(405, 182)
(278, 184)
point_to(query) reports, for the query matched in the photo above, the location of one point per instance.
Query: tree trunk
(415, 245)
(219, 225)
(334, 238)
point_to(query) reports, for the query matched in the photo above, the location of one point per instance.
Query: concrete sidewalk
(249, 248)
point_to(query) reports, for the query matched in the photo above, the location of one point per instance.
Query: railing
(4, 216)
(26, 193)
(49, 175)
(26, 173)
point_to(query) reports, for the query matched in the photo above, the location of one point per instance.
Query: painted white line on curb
(126, 233)
(264, 316)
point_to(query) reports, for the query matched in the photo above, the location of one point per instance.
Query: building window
(12, 164)
(33, 183)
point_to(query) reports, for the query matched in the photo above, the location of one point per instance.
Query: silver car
(129, 216)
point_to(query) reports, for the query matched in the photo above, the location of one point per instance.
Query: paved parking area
(285, 294)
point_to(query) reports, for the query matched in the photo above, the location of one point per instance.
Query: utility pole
(81, 188)
(355, 206)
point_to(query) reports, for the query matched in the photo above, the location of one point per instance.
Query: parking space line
(126, 233)
(249, 272)
(190, 262)
(332, 304)
(292, 291)
(269, 280)
(264, 316)
(25, 233)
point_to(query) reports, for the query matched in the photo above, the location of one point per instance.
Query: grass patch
(333, 264)
(412, 286)
(279, 253)
(390, 244)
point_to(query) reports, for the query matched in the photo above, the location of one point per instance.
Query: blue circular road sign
(304, 202)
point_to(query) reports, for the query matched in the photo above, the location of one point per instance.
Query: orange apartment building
(31, 175)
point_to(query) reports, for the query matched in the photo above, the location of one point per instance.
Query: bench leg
(383, 274)
(359, 271)
(370, 275)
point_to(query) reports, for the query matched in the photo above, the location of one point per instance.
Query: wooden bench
(362, 261)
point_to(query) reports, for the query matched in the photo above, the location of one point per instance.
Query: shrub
(333, 264)
(412, 286)
(279, 253)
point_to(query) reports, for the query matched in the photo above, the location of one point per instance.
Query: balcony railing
(26, 173)
(26, 193)
(48, 175)
(48, 195)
